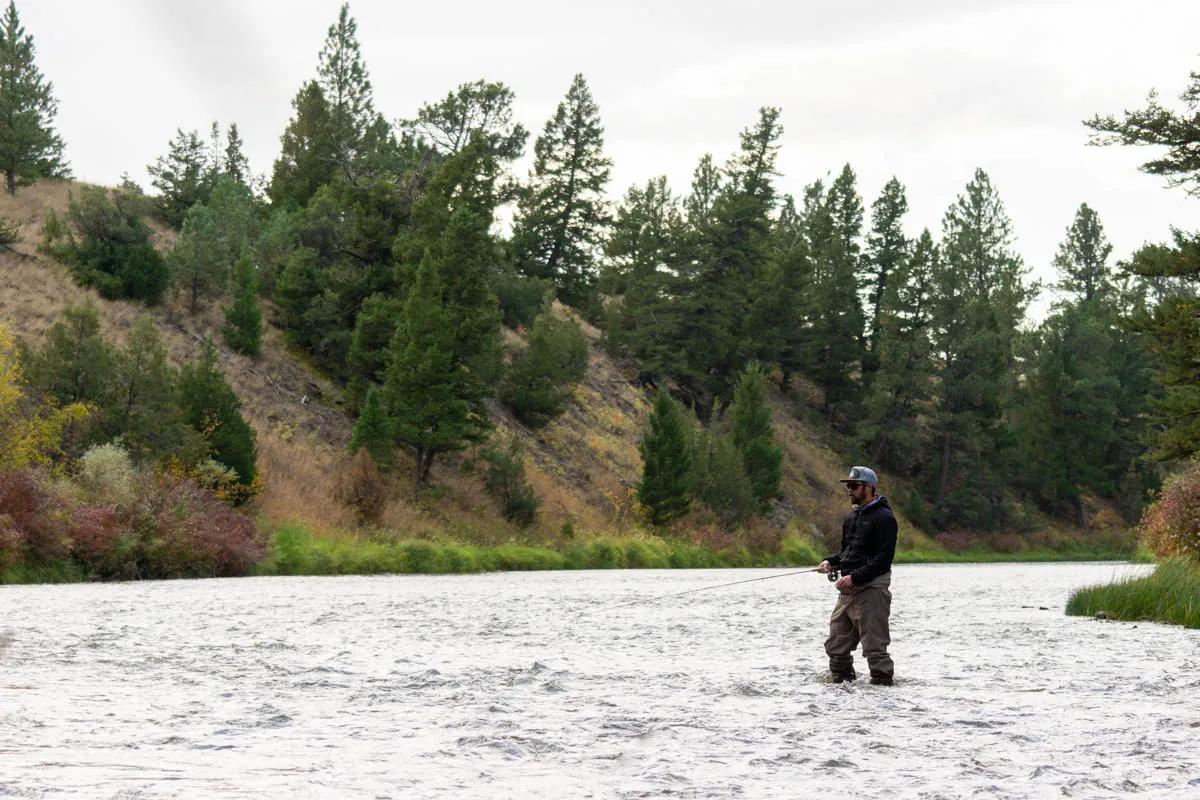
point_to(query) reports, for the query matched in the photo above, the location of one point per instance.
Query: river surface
(531, 685)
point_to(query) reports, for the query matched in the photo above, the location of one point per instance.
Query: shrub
(106, 475)
(30, 511)
(505, 481)
(113, 253)
(12, 543)
(1170, 526)
(362, 488)
(10, 232)
(538, 385)
(521, 298)
(95, 537)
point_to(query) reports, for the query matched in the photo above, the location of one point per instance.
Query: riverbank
(1170, 594)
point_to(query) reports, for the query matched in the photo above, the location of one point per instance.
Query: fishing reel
(833, 574)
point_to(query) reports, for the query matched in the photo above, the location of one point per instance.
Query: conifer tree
(424, 381)
(707, 182)
(538, 385)
(753, 435)
(141, 407)
(198, 260)
(374, 430)
(887, 247)
(29, 147)
(243, 318)
(665, 488)
(561, 217)
(74, 363)
(235, 163)
(307, 158)
(347, 89)
(479, 108)
(1082, 258)
(183, 176)
(212, 408)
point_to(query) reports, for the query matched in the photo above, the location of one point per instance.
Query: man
(865, 563)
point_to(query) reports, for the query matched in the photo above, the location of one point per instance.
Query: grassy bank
(1170, 594)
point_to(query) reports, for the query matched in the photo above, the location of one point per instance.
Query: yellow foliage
(27, 435)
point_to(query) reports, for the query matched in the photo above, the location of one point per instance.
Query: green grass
(995, 557)
(1170, 594)
(54, 572)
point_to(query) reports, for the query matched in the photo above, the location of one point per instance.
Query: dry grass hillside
(583, 465)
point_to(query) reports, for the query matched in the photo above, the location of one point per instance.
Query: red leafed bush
(95, 540)
(31, 512)
(1170, 526)
(12, 542)
(185, 531)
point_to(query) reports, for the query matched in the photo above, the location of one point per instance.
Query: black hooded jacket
(868, 542)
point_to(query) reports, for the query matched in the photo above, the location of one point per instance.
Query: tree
(141, 407)
(235, 165)
(307, 158)
(538, 385)
(506, 482)
(243, 319)
(753, 435)
(74, 363)
(198, 259)
(27, 436)
(347, 89)
(1082, 258)
(424, 382)
(29, 147)
(479, 108)
(561, 217)
(666, 486)
(183, 176)
(113, 252)
(887, 247)
(720, 481)
(375, 431)
(212, 408)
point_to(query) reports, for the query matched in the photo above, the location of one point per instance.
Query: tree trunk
(418, 460)
(10, 181)
(945, 477)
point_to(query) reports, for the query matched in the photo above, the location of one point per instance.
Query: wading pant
(862, 616)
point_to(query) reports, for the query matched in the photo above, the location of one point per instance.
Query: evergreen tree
(665, 488)
(978, 301)
(210, 406)
(375, 431)
(834, 230)
(141, 407)
(778, 321)
(479, 108)
(29, 147)
(1082, 258)
(235, 163)
(424, 382)
(538, 385)
(243, 319)
(307, 158)
(707, 183)
(113, 252)
(561, 218)
(199, 258)
(887, 247)
(894, 428)
(183, 176)
(506, 482)
(74, 363)
(753, 435)
(720, 479)
(347, 89)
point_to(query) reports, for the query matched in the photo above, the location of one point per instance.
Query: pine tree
(235, 163)
(424, 381)
(753, 435)
(199, 260)
(887, 247)
(538, 385)
(506, 482)
(707, 183)
(307, 158)
(347, 89)
(29, 147)
(375, 431)
(1082, 258)
(210, 406)
(978, 302)
(894, 428)
(777, 316)
(561, 218)
(183, 176)
(243, 319)
(479, 108)
(74, 363)
(665, 488)
(141, 407)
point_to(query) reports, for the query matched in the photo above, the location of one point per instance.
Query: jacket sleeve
(835, 560)
(884, 528)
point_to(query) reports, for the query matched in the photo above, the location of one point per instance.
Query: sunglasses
(853, 484)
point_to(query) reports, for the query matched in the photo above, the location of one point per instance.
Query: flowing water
(530, 685)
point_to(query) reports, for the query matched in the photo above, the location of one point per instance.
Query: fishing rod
(833, 576)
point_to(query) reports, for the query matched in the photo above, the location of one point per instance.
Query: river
(531, 685)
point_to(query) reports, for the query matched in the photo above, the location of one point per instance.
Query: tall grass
(1170, 594)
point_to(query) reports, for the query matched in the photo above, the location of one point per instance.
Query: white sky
(924, 90)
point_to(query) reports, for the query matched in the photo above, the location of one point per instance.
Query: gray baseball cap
(862, 475)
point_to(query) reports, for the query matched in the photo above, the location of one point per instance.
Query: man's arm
(881, 562)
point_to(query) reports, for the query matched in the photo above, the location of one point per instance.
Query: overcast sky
(925, 90)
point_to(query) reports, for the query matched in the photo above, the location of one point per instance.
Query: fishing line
(705, 588)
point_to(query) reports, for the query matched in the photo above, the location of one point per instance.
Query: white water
(525, 685)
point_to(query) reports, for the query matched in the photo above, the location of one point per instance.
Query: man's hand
(845, 583)
(825, 567)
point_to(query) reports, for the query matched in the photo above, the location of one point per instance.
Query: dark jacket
(868, 542)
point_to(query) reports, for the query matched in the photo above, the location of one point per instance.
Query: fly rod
(832, 577)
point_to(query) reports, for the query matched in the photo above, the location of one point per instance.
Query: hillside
(583, 466)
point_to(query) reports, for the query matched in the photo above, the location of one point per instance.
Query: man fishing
(865, 567)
